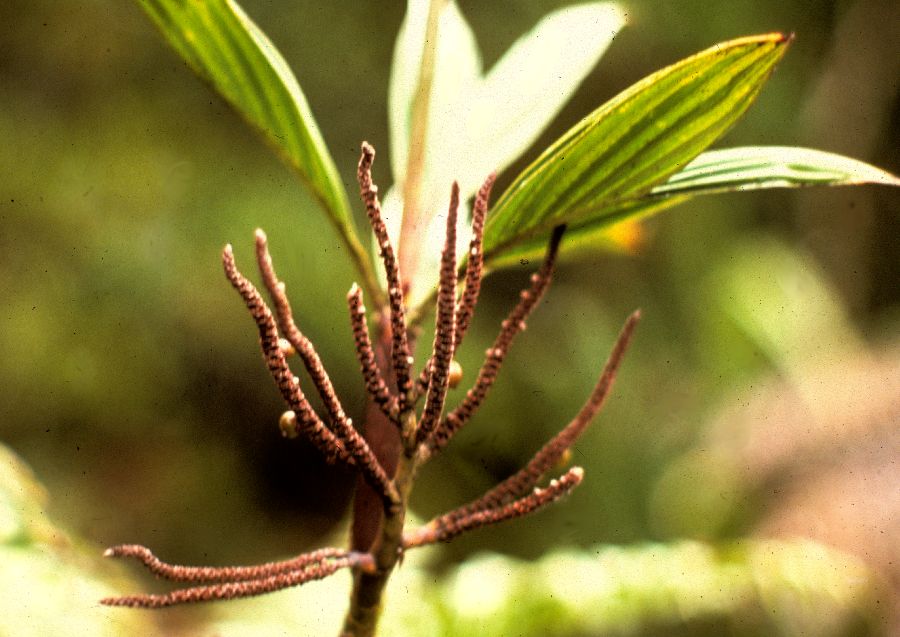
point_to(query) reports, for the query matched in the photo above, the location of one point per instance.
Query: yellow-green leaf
(755, 167)
(635, 141)
(715, 171)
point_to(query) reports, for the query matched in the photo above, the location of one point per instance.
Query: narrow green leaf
(634, 141)
(715, 171)
(224, 47)
(227, 49)
(755, 167)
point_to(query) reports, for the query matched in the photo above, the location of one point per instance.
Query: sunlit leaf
(529, 85)
(457, 69)
(480, 123)
(715, 171)
(228, 50)
(477, 123)
(754, 167)
(635, 141)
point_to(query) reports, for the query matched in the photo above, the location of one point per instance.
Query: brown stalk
(375, 384)
(292, 333)
(344, 442)
(448, 526)
(474, 272)
(245, 588)
(401, 358)
(511, 326)
(551, 453)
(177, 573)
(475, 263)
(308, 423)
(445, 328)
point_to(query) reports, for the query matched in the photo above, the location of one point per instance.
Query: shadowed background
(130, 378)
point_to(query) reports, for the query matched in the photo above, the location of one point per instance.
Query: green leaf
(635, 141)
(478, 123)
(715, 171)
(225, 47)
(755, 167)
(529, 85)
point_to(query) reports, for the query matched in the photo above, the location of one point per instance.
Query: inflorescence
(423, 435)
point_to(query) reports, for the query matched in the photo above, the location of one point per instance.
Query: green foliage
(746, 589)
(482, 120)
(753, 167)
(228, 50)
(617, 590)
(47, 576)
(131, 170)
(635, 141)
(716, 171)
(620, 162)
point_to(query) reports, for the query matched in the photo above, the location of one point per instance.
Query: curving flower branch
(426, 431)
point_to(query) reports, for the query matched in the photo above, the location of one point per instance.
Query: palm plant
(640, 153)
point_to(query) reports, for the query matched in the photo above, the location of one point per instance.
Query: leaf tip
(785, 38)
(777, 42)
(891, 179)
(782, 41)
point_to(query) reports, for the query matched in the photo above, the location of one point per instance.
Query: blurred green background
(760, 396)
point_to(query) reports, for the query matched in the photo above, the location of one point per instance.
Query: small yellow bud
(456, 373)
(286, 348)
(564, 459)
(288, 424)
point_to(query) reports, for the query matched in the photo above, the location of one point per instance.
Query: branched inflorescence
(424, 435)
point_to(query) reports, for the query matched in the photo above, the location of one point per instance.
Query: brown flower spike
(423, 434)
